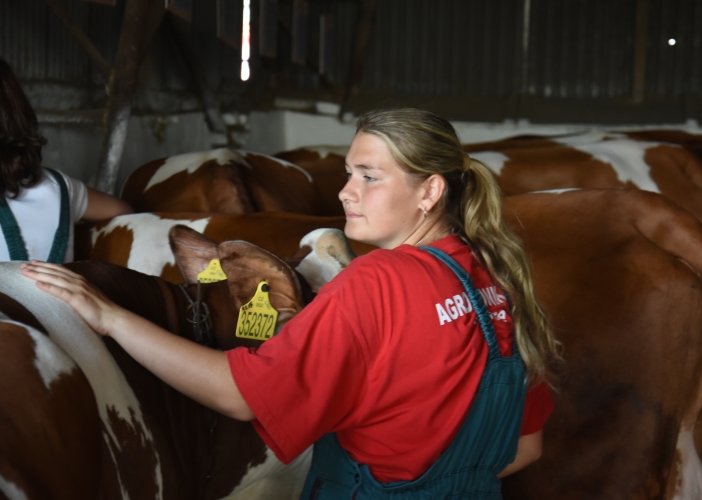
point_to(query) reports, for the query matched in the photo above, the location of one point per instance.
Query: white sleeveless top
(37, 212)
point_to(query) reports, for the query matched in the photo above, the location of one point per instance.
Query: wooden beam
(364, 29)
(122, 84)
(93, 53)
(638, 89)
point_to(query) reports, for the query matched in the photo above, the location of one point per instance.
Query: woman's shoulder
(376, 266)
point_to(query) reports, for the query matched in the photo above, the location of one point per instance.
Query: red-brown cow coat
(619, 273)
(180, 430)
(121, 240)
(222, 181)
(525, 164)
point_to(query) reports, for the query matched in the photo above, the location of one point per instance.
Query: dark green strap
(58, 248)
(13, 235)
(476, 300)
(11, 232)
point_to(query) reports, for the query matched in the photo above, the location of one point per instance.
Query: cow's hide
(81, 419)
(618, 272)
(140, 241)
(222, 181)
(597, 160)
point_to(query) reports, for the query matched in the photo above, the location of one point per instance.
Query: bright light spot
(246, 41)
(671, 42)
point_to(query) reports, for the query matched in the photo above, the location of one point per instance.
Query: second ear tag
(257, 318)
(212, 273)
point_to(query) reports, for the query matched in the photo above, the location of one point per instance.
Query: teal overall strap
(476, 300)
(11, 232)
(58, 248)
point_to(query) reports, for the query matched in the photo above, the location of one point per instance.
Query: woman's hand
(89, 302)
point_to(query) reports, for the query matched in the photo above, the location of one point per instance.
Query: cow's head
(245, 265)
(327, 253)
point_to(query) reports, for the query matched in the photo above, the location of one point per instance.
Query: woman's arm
(198, 372)
(528, 451)
(104, 206)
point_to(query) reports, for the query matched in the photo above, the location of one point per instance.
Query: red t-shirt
(388, 355)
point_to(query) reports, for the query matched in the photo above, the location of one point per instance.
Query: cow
(594, 160)
(667, 162)
(221, 181)
(619, 273)
(326, 166)
(691, 142)
(81, 419)
(140, 241)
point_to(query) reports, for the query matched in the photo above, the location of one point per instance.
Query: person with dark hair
(420, 371)
(38, 205)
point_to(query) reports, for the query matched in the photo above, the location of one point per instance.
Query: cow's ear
(193, 251)
(328, 253)
(246, 264)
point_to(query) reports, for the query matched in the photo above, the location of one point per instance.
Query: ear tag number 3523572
(257, 318)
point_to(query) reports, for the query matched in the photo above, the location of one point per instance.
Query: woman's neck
(430, 230)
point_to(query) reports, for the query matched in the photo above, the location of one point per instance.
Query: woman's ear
(434, 187)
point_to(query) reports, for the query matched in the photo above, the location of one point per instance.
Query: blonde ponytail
(425, 144)
(501, 252)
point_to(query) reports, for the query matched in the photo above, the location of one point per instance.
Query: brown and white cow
(81, 419)
(619, 273)
(140, 241)
(326, 166)
(221, 181)
(594, 160)
(666, 162)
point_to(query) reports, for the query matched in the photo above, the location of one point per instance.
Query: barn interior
(118, 83)
(191, 113)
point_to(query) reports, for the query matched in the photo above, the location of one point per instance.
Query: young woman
(38, 206)
(409, 370)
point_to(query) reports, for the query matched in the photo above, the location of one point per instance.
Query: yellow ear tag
(257, 318)
(212, 273)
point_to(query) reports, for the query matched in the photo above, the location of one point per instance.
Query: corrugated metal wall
(674, 70)
(562, 49)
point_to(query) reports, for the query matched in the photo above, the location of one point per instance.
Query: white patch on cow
(68, 330)
(317, 269)
(282, 163)
(191, 162)
(494, 160)
(272, 480)
(555, 191)
(690, 474)
(324, 151)
(51, 362)
(150, 251)
(11, 490)
(626, 157)
(586, 137)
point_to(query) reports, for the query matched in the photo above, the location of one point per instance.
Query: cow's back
(597, 160)
(207, 181)
(326, 166)
(140, 241)
(128, 462)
